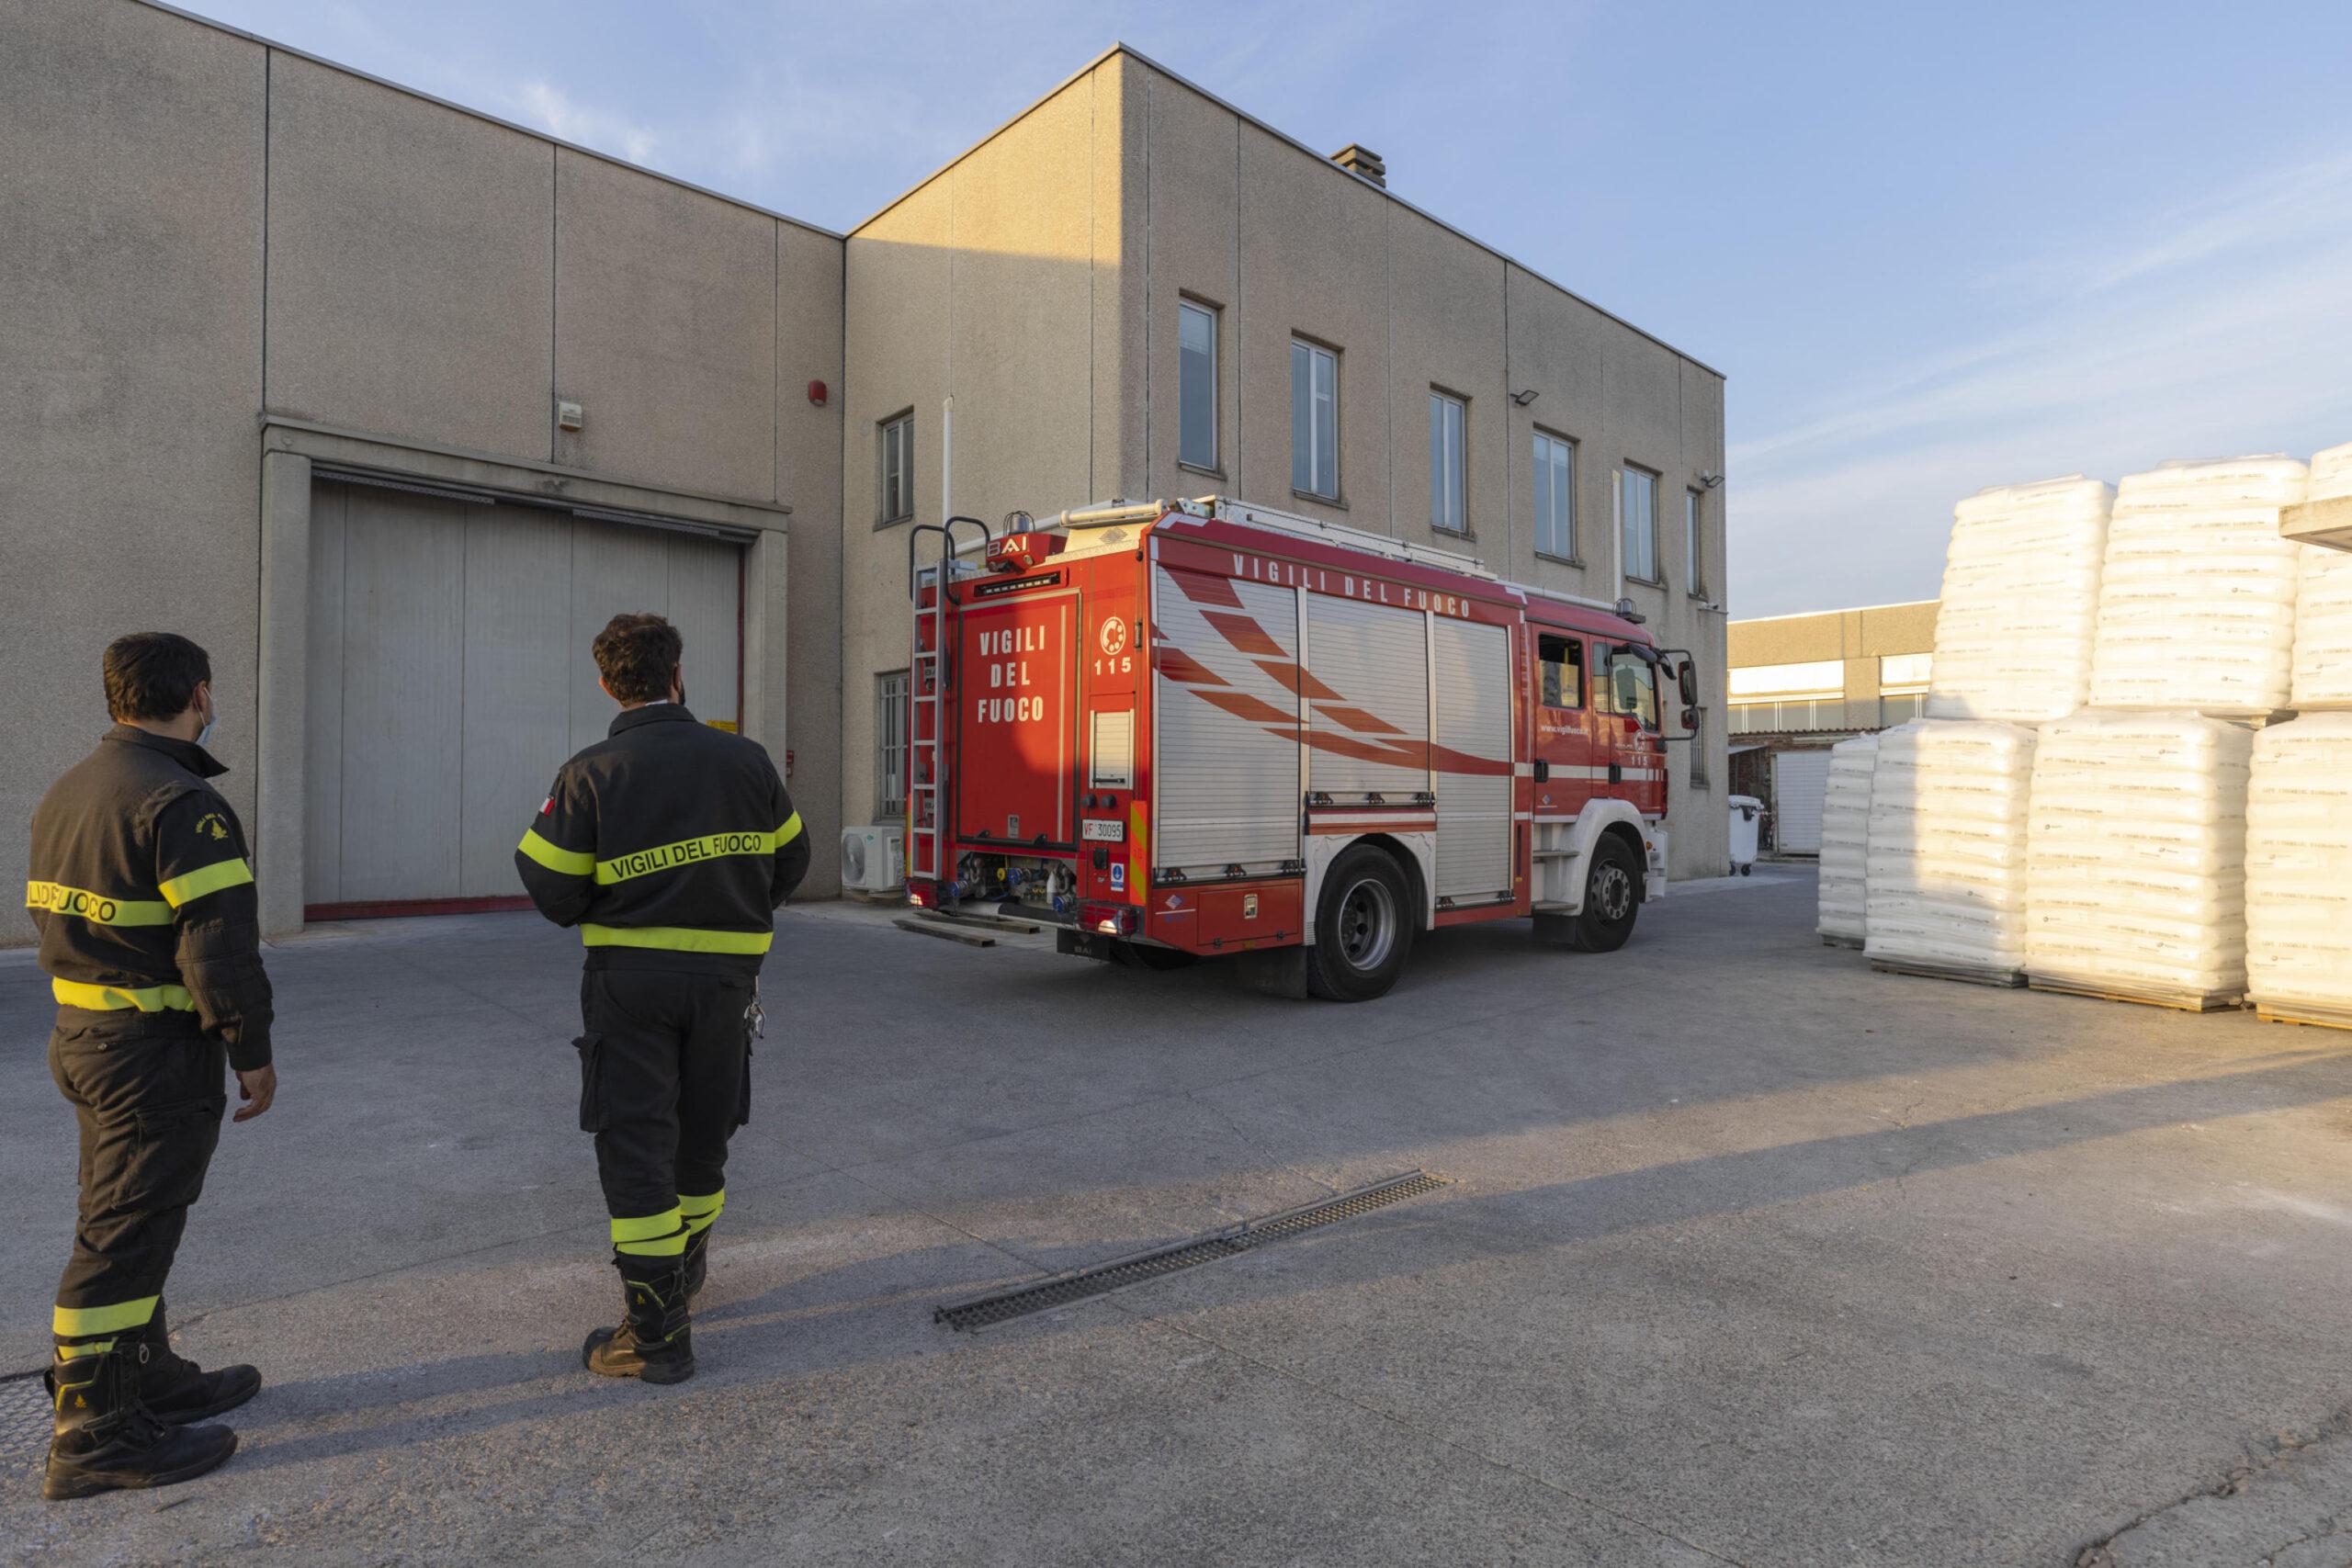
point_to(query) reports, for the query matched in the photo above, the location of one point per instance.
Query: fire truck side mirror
(1686, 677)
(1691, 719)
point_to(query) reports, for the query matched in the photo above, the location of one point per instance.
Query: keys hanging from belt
(755, 1016)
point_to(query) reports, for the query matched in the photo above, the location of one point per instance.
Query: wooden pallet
(943, 929)
(1854, 943)
(2181, 1001)
(2295, 1012)
(2003, 979)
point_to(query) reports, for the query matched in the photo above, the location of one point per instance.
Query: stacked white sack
(2196, 601)
(2020, 601)
(2135, 856)
(2299, 865)
(1846, 837)
(2324, 600)
(1947, 856)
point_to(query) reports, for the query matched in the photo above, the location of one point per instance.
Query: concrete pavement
(1751, 1256)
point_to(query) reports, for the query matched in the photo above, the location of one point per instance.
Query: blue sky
(1933, 247)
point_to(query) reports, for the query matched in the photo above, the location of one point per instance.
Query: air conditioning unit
(874, 860)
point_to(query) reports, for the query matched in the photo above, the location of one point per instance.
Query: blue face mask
(212, 722)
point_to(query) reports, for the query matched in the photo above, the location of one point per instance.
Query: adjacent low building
(390, 403)
(1799, 684)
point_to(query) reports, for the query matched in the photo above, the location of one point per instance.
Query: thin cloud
(2219, 328)
(554, 111)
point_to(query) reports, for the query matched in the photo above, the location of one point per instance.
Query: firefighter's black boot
(104, 1439)
(655, 1339)
(698, 1261)
(177, 1389)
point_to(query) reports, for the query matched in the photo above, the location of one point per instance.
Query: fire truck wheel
(1613, 896)
(1362, 928)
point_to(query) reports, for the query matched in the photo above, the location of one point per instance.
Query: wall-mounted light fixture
(1525, 398)
(1713, 481)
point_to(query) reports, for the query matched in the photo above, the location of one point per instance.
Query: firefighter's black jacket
(669, 843)
(143, 894)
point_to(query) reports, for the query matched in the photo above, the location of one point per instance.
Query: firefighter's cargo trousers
(665, 1079)
(148, 1090)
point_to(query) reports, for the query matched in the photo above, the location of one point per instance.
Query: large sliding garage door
(449, 676)
(1800, 784)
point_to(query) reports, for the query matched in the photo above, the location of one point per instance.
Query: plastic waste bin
(1747, 823)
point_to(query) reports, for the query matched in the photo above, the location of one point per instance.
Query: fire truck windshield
(1633, 688)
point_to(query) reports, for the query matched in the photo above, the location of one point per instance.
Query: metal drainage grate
(1121, 1272)
(24, 1422)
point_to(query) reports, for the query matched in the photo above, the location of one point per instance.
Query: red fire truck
(1200, 728)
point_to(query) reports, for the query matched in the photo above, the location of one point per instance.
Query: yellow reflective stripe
(686, 851)
(75, 1352)
(98, 908)
(675, 939)
(189, 887)
(651, 1236)
(115, 998)
(644, 1228)
(701, 1212)
(789, 831)
(570, 863)
(72, 1322)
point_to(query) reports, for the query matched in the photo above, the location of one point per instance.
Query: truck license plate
(1098, 832)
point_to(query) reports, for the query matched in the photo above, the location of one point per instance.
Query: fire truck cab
(1194, 729)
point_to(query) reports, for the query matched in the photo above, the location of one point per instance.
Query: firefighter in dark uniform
(670, 845)
(144, 898)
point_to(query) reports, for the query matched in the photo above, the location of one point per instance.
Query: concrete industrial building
(1799, 684)
(389, 403)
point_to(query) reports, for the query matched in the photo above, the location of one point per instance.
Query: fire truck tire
(1363, 928)
(1612, 897)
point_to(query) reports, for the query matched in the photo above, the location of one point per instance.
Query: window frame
(1331, 497)
(1575, 646)
(1626, 472)
(1215, 315)
(1443, 406)
(903, 420)
(893, 697)
(1694, 536)
(1568, 445)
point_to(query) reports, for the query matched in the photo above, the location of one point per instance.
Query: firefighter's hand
(256, 1088)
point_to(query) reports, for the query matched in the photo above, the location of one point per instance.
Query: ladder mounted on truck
(931, 680)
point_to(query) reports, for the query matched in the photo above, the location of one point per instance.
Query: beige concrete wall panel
(131, 258)
(1020, 333)
(1120, 161)
(410, 274)
(1194, 199)
(898, 287)
(1314, 261)
(665, 315)
(804, 663)
(1446, 301)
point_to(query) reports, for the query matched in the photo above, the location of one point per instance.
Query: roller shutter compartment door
(449, 676)
(1799, 783)
(1470, 677)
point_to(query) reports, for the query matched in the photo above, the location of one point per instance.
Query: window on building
(1313, 420)
(1775, 698)
(1561, 659)
(1195, 384)
(896, 491)
(890, 711)
(1903, 680)
(1449, 445)
(1693, 540)
(1554, 489)
(1637, 518)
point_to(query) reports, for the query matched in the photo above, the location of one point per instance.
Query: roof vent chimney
(1361, 160)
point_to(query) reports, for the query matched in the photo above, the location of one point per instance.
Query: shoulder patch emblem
(212, 825)
(546, 806)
